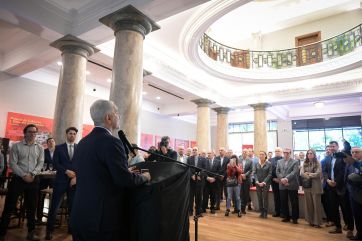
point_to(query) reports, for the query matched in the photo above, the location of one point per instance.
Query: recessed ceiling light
(144, 93)
(158, 97)
(59, 63)
(318, 105)
(87, 72)
(109, 80)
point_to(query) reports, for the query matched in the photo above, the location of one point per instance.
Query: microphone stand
(198, 170)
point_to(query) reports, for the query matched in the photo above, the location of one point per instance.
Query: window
(353, 136)
(318, 139)
(300, 140)
(243, 134)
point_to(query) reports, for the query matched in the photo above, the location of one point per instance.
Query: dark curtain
(159, 210)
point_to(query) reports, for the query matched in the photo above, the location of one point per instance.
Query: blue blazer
(103, 182)
(62, 162)
(48, 158)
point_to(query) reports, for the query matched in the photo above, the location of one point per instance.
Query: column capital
(74, 45)
(129, 18)
(260, 106)
(222, 110)
(203, 102)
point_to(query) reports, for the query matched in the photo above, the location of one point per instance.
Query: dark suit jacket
(201, 163)
(62, 162)
(247, 170)
(100, 202)
(224, 165)
(339, 167)
(170, 153)
(324, 163)
(215, 167)
(274, 162)
(48, 158)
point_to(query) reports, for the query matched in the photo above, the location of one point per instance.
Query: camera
(165, 140)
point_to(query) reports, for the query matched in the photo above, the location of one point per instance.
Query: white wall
(26, 96)
(329, 27)
(285, 134)
(283, 39)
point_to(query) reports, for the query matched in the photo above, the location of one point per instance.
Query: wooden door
(309, 53)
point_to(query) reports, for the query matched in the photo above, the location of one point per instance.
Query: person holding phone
(233, 181)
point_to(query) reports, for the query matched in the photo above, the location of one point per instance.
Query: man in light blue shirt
(26, 161)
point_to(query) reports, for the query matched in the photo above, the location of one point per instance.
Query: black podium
(159, 210)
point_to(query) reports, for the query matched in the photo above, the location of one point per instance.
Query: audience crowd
(329, 186)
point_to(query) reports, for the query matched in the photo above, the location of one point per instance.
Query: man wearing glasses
(287, 172)
(26, 161)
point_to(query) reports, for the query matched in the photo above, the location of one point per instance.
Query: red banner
(146, 141)
(193, 143)
(179, 142)
(17, 121)
(247, 147)
(87, 129)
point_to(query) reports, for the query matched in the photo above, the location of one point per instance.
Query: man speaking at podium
(100, 203)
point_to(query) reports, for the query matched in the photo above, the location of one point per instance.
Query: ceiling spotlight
(59, 63)
(318, 105)
(109, 80)
(87, 72)
(158, 97)
(144, 93)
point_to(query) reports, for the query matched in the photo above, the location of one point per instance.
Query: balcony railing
(280, 59)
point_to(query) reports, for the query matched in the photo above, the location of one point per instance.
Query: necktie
(71, 152)
(196, 159)
(332, 171)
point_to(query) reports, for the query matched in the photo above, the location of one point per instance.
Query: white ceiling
(26, 31)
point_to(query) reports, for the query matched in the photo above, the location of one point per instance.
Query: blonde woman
(312, 185)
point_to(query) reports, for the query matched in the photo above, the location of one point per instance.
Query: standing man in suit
(275, 180)
(45, 182)
(337, 192)
(64, 179)
(247, 164)
(103, 179)
(355, 189)
(197, 181)
(26, 161)
(288, 173)
(326, 206)
(211, 187)
(224, 161)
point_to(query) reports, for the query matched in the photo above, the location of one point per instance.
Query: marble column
(260, 130)
(203, 136)
(130, 27)
(71, 87)
(222, 127)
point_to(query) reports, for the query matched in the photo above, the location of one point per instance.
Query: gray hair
(99, 110)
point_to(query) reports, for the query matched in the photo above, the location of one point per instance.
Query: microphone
(123, 138)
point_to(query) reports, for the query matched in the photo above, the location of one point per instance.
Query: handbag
(307, 183)
(231, 182)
